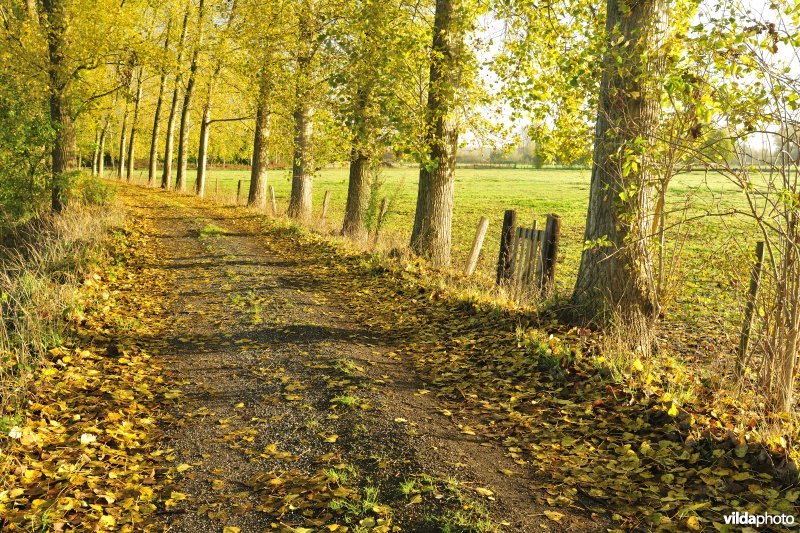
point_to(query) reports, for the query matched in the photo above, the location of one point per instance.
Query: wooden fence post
(504, 260)
(524, 243)
(755, 282)
(381, 215)
(477, 244)
(325, 201)
(272, 200)
(529, 261)
(552, 234)
(238, 192)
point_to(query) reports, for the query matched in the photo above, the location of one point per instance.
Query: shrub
(86, 189)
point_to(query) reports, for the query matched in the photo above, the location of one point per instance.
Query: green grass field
(707, 281)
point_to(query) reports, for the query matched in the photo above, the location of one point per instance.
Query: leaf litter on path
(283, 449)
(260, 311)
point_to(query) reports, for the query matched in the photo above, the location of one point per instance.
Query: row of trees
(313, 81)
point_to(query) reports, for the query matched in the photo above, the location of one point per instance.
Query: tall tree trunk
(32, 11)
(151, 173)
(64, 144)
(183, 135)
(134, 130)
(358, 185)
(123, 138)
(302, 162)
(101, 162)
(162, 87)
(257, 196)
(205, 131)
(300, 199)
(358, 192)
(95, 152)
(433, 219)
(166, 177)
(202, 150)
(64, 148)
(615, 286)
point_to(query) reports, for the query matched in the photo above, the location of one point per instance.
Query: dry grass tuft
(42, 262)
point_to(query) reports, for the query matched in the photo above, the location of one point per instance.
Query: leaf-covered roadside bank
(83, 453)
(646, 450)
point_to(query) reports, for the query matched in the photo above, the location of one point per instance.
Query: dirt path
(292, 414)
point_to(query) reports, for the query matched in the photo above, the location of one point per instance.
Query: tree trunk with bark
(32, 10)
(101, 162)
(166, 177)
(151, 172)
(134, 130)
(300, 199)
(358, 184)
(202, 149)
(123, 138)
(302, 160)
(162, 87)
(433, 220)
(615, 286)
(64, 144)
(358, 194)
(257, 197)
(95, 152)
(183, 135)
(64, 148)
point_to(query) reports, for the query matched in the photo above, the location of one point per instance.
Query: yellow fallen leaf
(107, 522)
(183, 467)
(555, 516)
(30, 475)
(332, 438)
(28, 437)
(484, 492)
(231, 529)
(673, 410)
(638, 366)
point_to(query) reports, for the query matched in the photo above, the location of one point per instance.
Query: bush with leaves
(25, 134)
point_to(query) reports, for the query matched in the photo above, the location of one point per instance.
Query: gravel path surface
(293, 416)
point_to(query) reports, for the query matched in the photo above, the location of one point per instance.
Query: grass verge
(78, 432)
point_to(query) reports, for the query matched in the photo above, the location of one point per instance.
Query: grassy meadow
(705, 286)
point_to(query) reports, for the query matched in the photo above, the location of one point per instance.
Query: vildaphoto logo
(746, 519)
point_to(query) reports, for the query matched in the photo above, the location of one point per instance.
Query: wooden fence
(528, 255)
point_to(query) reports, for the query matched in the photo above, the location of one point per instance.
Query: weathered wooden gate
(528, 255)
(526, 259)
